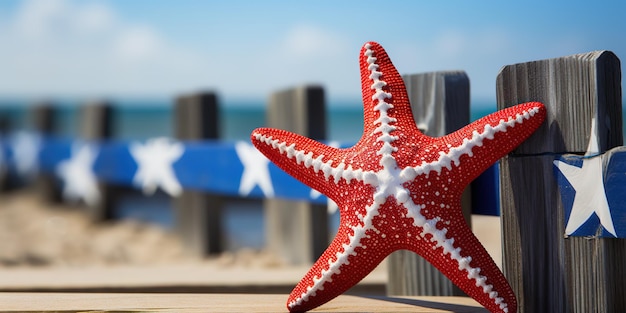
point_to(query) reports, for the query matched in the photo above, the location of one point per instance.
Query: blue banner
(227, 168)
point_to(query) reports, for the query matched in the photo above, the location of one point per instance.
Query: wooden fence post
(297, 231)
(96, 124)
(548, 272)
(440, 104)
(198, 214)
(46, 184)
(5, 128)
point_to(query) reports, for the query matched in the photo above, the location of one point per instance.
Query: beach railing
(561, 192)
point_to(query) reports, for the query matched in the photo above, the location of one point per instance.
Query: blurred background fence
(211, 163)
(130, 162)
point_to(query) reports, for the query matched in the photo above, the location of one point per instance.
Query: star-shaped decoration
(154, 165)
(80, 182)
(255, 170)
(588, 183)
(400, 189)
(26, 147)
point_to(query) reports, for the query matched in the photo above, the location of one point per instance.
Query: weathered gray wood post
(440, 104)
(198, 214)
(297, 231)
(46, 184)
(96, 124)
(548, 272)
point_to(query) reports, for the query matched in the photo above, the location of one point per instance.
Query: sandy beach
(33, 233)
(42, 235)
(47, 247)
(56, 247)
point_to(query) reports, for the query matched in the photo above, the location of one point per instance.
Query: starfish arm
(354, 253)
(311, 162)
(456, 252)
(385, 100)
(480, 144)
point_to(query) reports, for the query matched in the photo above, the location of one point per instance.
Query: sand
(57, 247)
(37, 234)
(33, 233)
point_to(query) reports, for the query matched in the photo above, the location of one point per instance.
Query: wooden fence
(562, 243)
(549, 269)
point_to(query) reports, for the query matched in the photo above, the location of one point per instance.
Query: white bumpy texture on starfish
(389, 182)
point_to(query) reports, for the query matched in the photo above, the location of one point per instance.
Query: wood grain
(187, 303)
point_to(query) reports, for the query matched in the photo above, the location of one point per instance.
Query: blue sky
(247, 49)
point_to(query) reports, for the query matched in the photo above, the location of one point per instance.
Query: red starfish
(400, 189)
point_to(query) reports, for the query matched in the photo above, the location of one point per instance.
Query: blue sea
(138, 120)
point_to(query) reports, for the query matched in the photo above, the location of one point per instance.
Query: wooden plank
(297, 231)
(210, 277)
(440, 104)
(111, 302)
(198, 214)
(550, 273)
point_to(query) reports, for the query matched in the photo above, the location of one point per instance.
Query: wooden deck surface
(136, 302)
(181, 278)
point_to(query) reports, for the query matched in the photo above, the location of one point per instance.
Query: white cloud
(137, 43)
(451, 44)
(311, 54)
(480, 53)
(95, 17)
(36, 18)
(55, 19)
(307, 41)
(88, 49)
(66, 48)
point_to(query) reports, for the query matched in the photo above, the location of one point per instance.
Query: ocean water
(138, 120)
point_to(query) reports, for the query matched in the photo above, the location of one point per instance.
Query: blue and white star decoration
(220, 167)
(229, 168)
(79, 179)
(593, 198)
(154, 160)
(255, 170)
